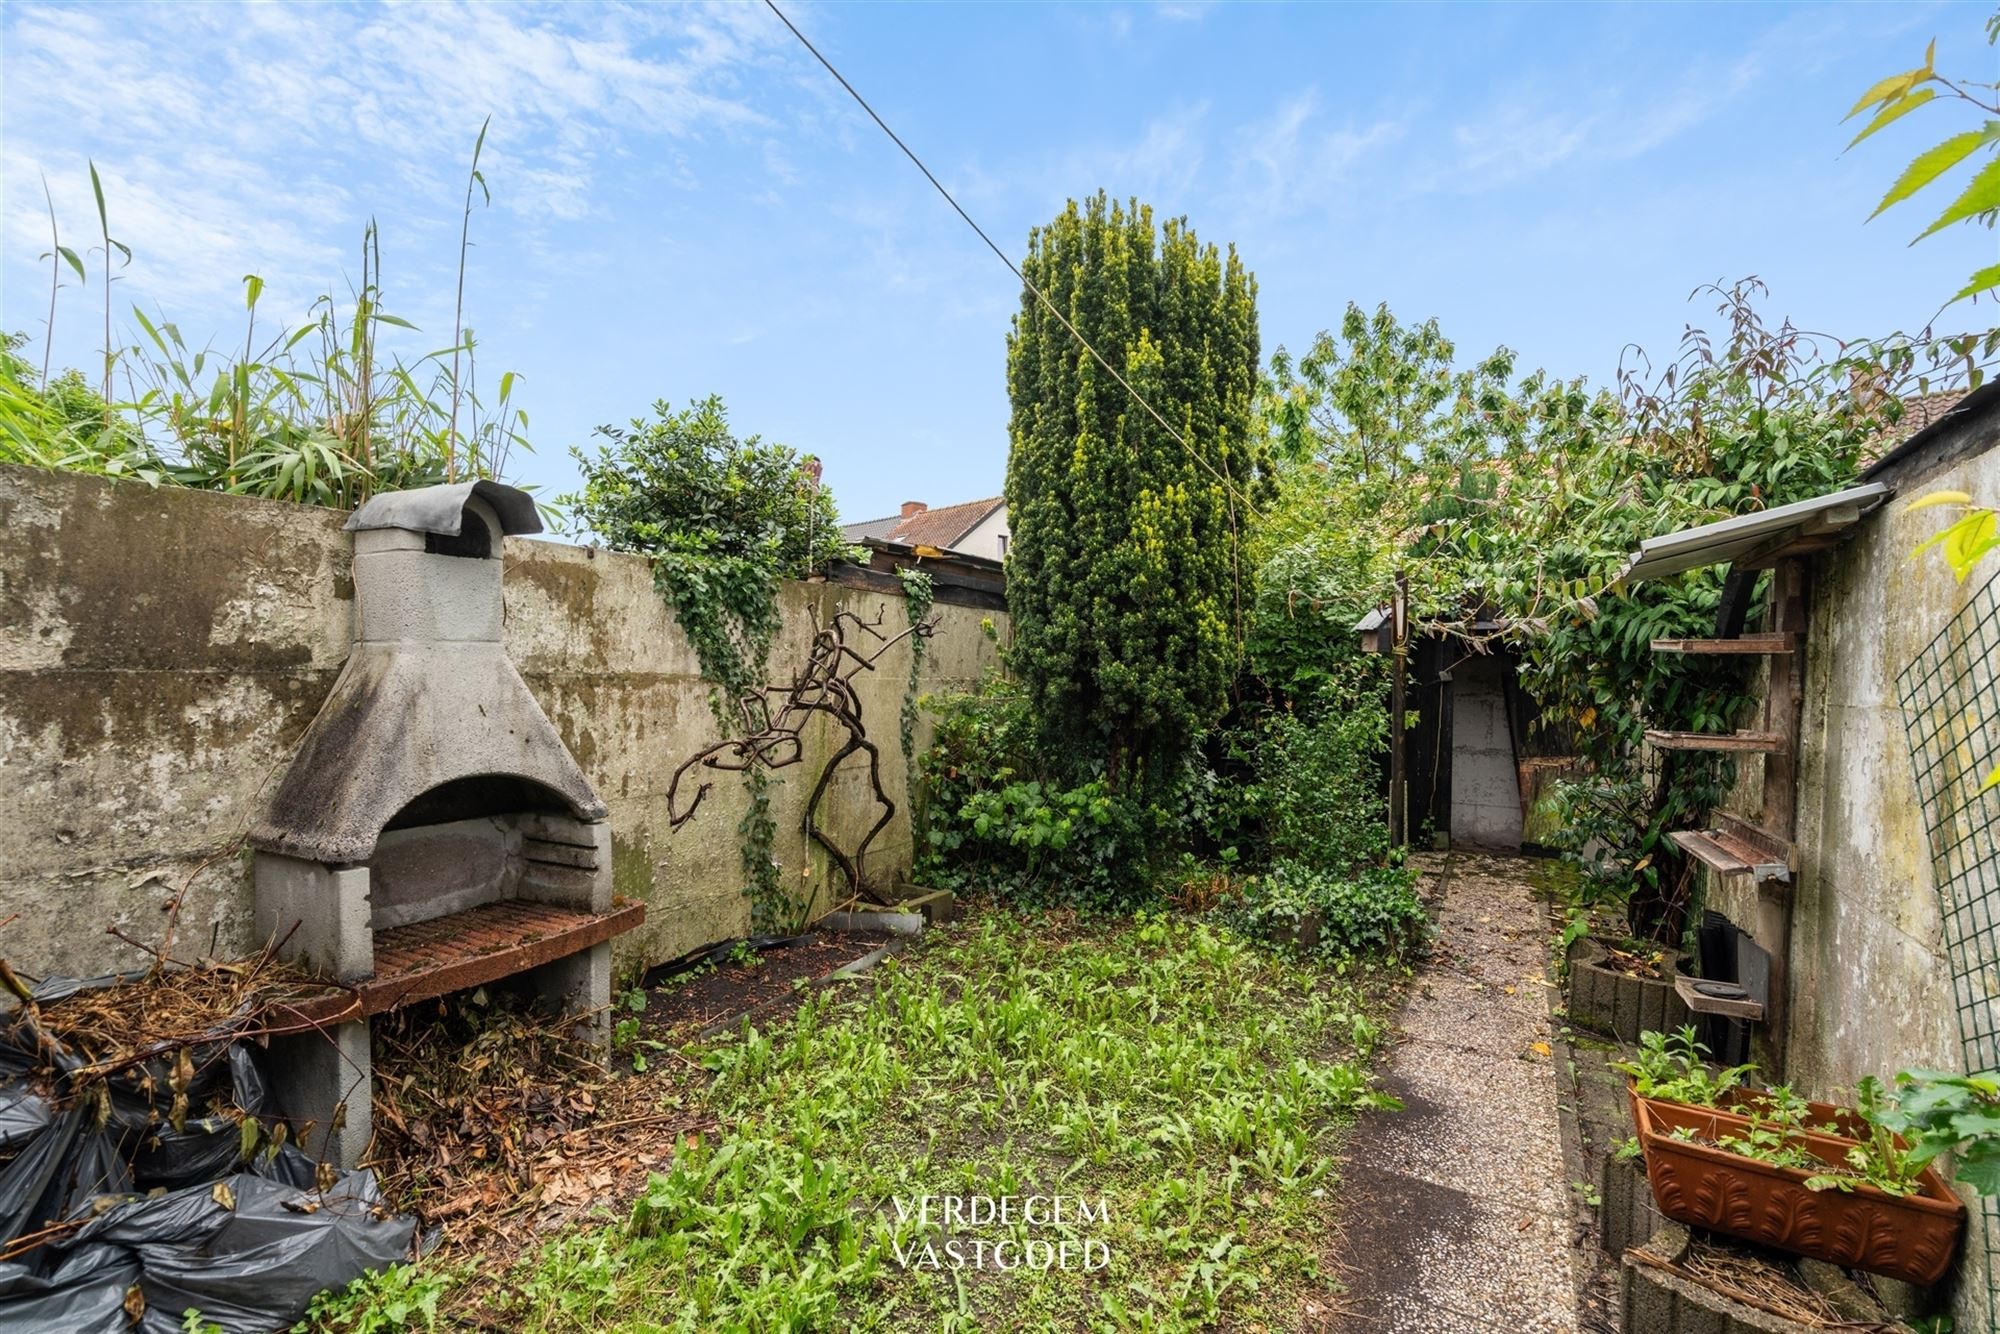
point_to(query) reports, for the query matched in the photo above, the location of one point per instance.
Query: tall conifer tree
(1123, 575)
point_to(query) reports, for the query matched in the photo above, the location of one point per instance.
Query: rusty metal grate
(428, 959)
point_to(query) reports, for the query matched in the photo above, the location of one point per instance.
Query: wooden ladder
(1760, 852)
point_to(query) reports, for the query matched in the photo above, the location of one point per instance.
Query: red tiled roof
(943, 526)
(1919, 411)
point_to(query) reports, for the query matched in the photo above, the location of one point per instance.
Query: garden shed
(1475, 762)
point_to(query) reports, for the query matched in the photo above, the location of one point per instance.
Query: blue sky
(684, 203)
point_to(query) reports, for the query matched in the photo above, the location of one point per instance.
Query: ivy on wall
(775, 720)
(918, 597)
(723, 521)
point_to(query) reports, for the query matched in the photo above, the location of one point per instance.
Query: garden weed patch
(1171, 1096)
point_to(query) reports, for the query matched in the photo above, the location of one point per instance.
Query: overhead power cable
(1013, 268)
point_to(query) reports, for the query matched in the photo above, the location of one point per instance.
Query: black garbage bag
(248, 1244)
(249, 1253)
(84, 1294)
(205, 1147)
(247, 1079)
(289, 1166)
(270, 1260)
(60, 1174)
(24, 1115)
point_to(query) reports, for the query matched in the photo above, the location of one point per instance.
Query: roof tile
(945, 525)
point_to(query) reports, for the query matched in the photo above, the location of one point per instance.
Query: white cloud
(1698, 96)
(235, 139)
(1526, 133)
(1160, 166)
(1513, 145)
(1288, 162)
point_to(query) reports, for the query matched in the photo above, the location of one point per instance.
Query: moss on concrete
(165, 649)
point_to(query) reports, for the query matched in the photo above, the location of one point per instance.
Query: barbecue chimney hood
(428, 697)
(433, 832)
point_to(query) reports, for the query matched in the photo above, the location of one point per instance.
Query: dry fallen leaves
(488, 1116)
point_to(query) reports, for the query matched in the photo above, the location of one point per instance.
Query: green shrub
(1370, 912)
(723, 519)
(1082, 846)
(1124, 579)
(401, 1297)
(988, 820)
(315, 414)
(1323, 790)
(65, 424)
(1223, 806)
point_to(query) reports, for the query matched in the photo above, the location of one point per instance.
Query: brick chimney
(913, 507)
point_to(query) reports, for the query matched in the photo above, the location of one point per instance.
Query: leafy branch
(1897, 96)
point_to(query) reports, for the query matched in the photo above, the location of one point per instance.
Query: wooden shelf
(1745, 645)
(1769, 742)
(1699, 845)
(1737, 848)
(1764, 845)
(1689, 990)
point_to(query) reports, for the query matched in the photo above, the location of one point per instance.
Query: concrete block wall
(162, 651)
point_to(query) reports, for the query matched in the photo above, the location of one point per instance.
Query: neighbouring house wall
(162, 651)
(1870, 990)
(984, 539)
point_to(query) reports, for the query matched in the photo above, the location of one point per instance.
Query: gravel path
(1457, 1217)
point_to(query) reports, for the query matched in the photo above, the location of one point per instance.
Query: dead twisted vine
(774, 719)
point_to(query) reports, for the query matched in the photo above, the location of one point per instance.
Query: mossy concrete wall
(1869, 990)
(162, 651)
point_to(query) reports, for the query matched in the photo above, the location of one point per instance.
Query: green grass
(1193, 1084)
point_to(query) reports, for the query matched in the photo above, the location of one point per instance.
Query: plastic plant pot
(1913, 1238)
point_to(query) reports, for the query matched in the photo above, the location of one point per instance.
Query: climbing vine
(771, 909)
(1754, 416)
(918, 597)
(774, 720)
(723, 521)
(1516, 503)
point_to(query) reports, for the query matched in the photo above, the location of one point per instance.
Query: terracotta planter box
(1616, 1002)
(1912, 1238)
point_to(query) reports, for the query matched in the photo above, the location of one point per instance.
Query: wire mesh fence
(1951, 707)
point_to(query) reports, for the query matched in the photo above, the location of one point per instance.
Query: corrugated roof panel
(1719, 543)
